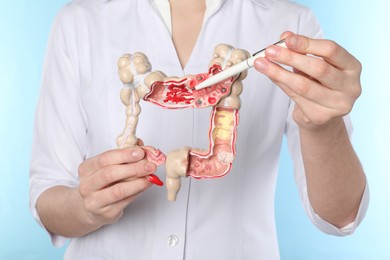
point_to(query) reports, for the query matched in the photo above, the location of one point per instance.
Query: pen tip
(200, 86)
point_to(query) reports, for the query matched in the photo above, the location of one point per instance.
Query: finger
(112, 157)
(302, 74)
(314, 67)
(327, 49)
(115, 173)
(122, 190)
(337, 105)
(99, 201)
(294, 84)
(286, 34)
(311, 113)
(113, 212)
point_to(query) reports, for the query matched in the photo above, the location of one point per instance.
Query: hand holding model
(108, 182)
(112, 180)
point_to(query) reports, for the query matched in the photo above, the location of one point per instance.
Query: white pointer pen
(236, 69)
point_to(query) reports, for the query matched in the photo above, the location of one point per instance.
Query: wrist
(332, 128)
(325, 140)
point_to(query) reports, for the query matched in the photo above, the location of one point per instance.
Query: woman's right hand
(112, 180)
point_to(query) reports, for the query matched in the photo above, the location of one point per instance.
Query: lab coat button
(173, 240)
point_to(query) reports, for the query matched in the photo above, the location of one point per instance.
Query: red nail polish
(155, 180)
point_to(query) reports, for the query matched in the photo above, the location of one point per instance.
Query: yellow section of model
(225, 124)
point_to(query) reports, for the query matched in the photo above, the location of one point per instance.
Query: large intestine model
(174, 93)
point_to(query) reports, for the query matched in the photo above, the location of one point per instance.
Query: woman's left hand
(324, 83)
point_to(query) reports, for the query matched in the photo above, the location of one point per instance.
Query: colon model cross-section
(140, 82)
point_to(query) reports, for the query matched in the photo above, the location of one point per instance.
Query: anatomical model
(174, 93)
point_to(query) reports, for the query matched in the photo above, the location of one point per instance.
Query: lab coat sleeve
(59, 137)
(309, 26)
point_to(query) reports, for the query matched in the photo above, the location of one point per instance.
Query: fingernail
(152, 178)
(272, 51)
(137, 153)
(293, 41)
(261, 65)
(150, 167)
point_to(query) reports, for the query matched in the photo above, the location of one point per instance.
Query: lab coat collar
(264, 3)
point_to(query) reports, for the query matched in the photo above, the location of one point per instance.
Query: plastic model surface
(140, 82)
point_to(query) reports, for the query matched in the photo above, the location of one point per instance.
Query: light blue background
(360, 26)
